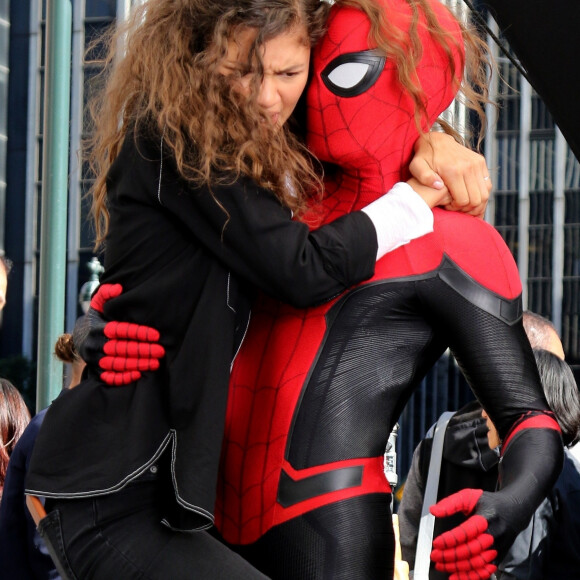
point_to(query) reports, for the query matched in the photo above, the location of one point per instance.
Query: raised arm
(442, 163)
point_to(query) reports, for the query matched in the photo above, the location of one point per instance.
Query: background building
(535, 205)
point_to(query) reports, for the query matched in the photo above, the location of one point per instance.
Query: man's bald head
(542, 334)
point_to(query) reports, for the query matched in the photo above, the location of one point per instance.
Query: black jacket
(189, 269)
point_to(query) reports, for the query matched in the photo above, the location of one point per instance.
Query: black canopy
(545, 37)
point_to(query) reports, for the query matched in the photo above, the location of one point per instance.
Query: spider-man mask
(359, 115)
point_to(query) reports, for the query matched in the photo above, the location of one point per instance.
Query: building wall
(21, 218)
(13, 216)
(4, 70)
(535, 205)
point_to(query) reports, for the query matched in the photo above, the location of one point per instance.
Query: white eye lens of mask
(349, 74)
(352, 74)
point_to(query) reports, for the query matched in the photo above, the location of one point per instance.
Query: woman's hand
(431, 196)
(442, 163)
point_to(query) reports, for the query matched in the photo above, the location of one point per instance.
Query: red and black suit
(315, 393)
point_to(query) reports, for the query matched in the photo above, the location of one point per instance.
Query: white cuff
(399, 216)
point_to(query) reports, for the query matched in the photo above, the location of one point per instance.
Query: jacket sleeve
(246, 228)
(259, 241)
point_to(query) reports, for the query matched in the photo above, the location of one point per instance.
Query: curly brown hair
(165, 80)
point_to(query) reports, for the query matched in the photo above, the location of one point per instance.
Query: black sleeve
(493, 353)
(247, 229)
(497, 361)
(258, 239)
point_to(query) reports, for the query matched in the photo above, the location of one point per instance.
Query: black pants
(120, 536)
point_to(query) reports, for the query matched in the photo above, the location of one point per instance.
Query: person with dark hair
(14, 416)
(23, 554)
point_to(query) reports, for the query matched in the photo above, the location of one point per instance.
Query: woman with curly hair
(197, 181)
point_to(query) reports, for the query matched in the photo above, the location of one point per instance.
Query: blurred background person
(23, 554)
(14, 417)
(5, 267)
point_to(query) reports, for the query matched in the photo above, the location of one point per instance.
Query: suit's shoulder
(479, 250)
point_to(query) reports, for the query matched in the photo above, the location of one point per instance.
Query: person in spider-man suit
(314, 393)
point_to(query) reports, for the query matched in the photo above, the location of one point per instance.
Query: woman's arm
(247, 229)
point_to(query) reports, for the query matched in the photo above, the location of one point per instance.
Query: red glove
(122, 349)
(465, 550)
(532, 455)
